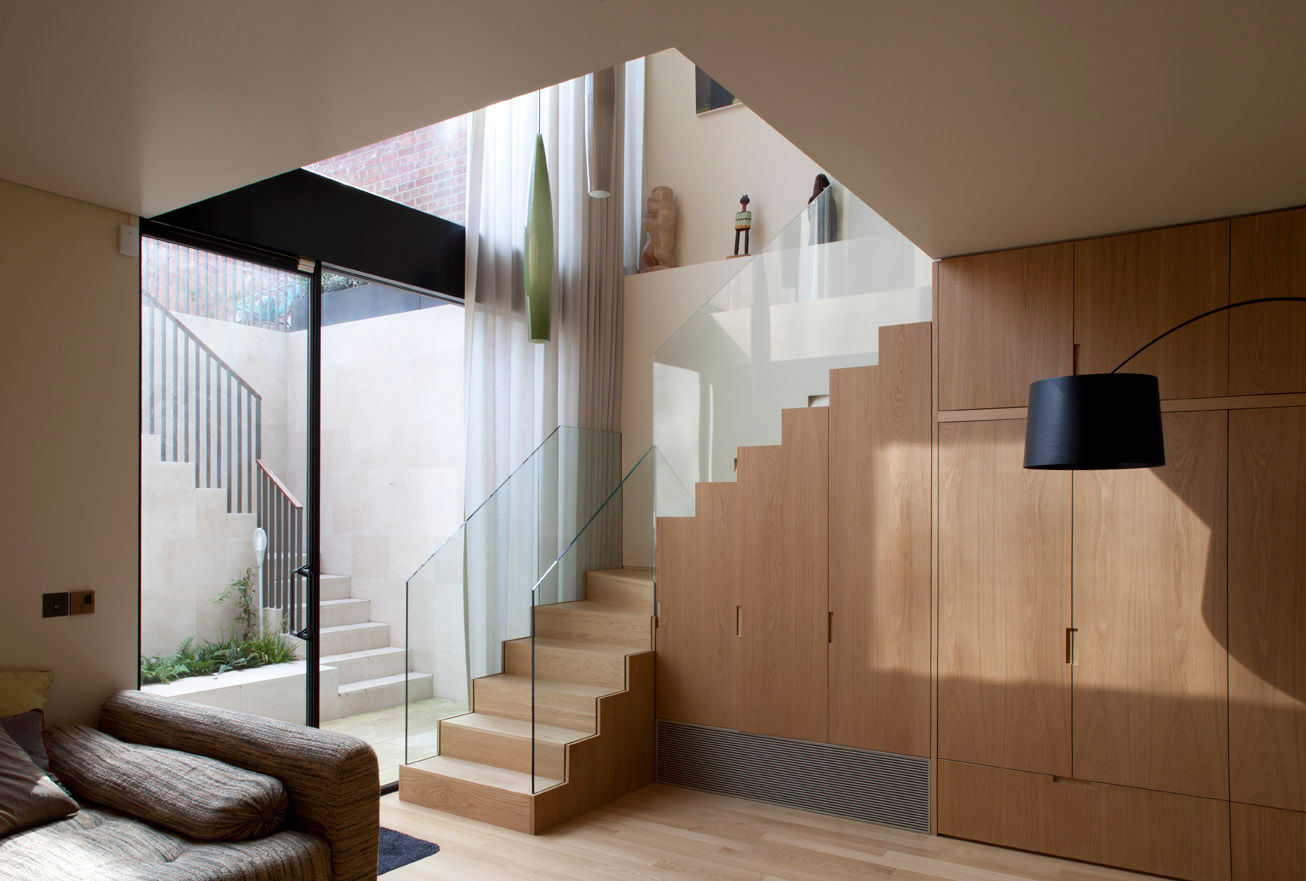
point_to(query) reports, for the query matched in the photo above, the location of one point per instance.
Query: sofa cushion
(101, 844)
(23, 691)
(28, 731)
(28, 796)
(197, 796)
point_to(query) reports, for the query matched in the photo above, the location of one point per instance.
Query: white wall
(713, 159)
(69, 356)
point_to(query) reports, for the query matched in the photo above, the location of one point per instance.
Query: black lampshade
(1094, 421)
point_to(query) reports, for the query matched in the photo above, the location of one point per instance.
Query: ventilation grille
(859, 784)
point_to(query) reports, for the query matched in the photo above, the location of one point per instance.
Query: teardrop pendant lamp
(537, 262)
(600, 109)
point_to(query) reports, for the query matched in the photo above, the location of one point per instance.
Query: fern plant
(243, 590)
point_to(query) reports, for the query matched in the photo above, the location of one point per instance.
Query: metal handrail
(201, 409)
(281, 517)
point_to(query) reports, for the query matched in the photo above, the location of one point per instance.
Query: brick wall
(424, 169)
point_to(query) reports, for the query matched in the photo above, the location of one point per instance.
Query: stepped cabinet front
(796, 602)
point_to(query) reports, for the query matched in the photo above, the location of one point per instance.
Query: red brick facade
(424, 169)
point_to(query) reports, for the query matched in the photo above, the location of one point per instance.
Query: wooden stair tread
(553, 686)
(598, 648)
(639, 576)
(485, 775)
(517, 728)
(594, 606)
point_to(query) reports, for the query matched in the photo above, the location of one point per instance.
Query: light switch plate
(54, 605)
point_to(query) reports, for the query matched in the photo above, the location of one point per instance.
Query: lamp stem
(1224, 308)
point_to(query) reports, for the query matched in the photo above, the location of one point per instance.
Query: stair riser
(563, 710)
(619, 592)
(472, 800)
(611, 628)
(552, 662)
(350, 612)
(335, 587)
(502, 750)
(368, 667)
(382, 697)
(343, 642)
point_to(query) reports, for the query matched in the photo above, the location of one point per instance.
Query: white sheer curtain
(518, 392)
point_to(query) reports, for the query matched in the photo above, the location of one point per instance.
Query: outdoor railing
(202, 411)
(281, 516)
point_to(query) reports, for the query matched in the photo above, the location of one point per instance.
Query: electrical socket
(82, 602)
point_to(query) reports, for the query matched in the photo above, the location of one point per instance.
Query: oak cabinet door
(1004, 321)
(1130, 288)
(880, 423)
(1268, 844)
(1267, 607)
(699, 590)
(1150, 605)
(1267, 254)
(784, 500)
(1004, 602)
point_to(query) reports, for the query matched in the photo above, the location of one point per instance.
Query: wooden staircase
(593, 732)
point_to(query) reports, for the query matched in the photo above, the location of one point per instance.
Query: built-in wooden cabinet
(1150, 684)
(879, 656)
(1130, 288)
(1267, 607)
(1172, 738)
(1268, 844)
(700, 586)
(784, 511)
(1158, 832)
(796, 601)
(1267, 259)
(986, 302)
(1004, 602)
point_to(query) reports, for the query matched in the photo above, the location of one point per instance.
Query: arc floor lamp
(1096, 421)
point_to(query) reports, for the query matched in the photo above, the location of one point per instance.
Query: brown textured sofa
(329, 834)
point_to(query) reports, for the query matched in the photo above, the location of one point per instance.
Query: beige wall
(69, 356)
(713, 159)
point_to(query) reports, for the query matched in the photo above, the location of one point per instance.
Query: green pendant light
(537, 267)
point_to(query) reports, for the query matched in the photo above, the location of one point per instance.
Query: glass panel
(598, 596)
(223, 473)
(474, 594)
(391, 489)
(813, 299)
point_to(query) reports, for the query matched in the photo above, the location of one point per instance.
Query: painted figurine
(659, 221)
(743, 223)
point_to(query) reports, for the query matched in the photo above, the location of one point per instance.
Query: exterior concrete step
(348, 638)
(470, 789)
(336, 613)
(370, 695)
(335, 587)
(629, 589)
(595, 662)
(591, 621)
(507, 743)
(367, 664)
(571, 705)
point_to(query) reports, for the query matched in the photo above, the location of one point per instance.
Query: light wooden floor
(662, 833)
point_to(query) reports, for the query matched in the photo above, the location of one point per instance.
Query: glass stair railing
(767, 340)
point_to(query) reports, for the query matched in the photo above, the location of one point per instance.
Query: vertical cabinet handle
(1072, 647)
(739, 620)
(829, 627)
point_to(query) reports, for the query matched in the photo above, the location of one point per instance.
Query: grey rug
(397, 849)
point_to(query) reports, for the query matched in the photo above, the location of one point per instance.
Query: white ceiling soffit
(968, 125)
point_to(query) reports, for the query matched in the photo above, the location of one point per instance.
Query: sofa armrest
(332, 778)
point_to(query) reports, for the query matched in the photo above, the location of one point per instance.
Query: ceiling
(969, 126)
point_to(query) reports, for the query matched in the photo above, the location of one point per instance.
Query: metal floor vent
(859, 784)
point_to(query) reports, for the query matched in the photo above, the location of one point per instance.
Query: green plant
(212, 658)
(244, 591)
